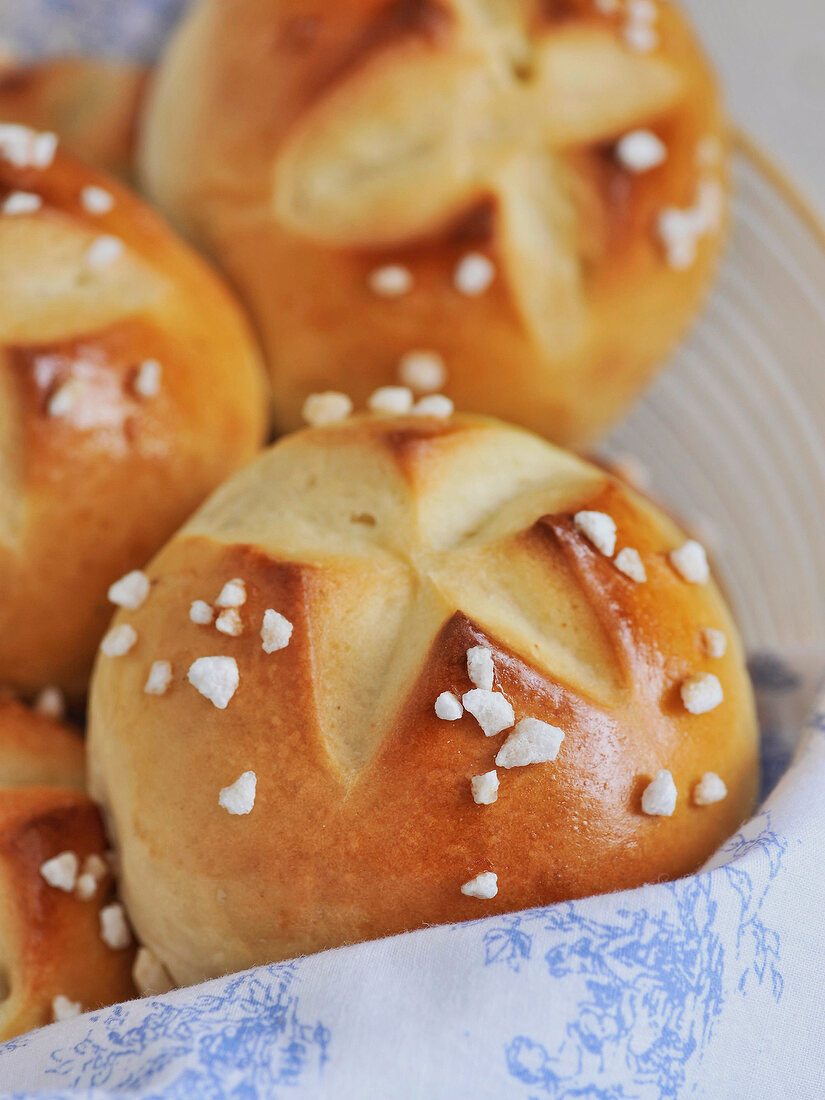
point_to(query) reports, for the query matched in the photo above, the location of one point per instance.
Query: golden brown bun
(94, 475)
(49, 938)
(393, 545)
(306, 148)
(91, 104)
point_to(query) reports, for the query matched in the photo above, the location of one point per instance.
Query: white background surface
(771, 54)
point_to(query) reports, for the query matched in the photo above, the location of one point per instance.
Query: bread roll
(293, 787)
(524, 197)
(129, 388)
(90, 103)
(54, 960)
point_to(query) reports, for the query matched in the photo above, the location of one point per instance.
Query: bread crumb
(96, 866)
(677, 231)
(25, 148)
(64, 398)
(86, 887)
(119, 640)
(21, 202)
(641, 38)
(201, 613)
(239, 797)
(276, 632)
(422, 371)
(491, 710)
(229, 622)
(485, 788)
(629, 562)
(390, 281)
(114, 928)
(216, 678)
(148, 377)
(150, 975)
(659, 797)
(392, 400)
(96, 200)
(233, 594)
(434, 404)
(130, 591)
(64, 1009)
(159, 678)
(640, 151)
(714, 642)
(702, 693)
(474, 274)
(480, 667)
(103, 251)
(51, 702)
(531, 742)
(321, 409)
(691, 562)
(642, 11)
(710, 788)
(448, 707)
(599, 529)
(61, 871)
(639, 31)
(483, 886)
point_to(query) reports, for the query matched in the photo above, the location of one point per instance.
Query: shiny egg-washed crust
(393, 545)
(50, 941)
(92, 492)
(90, 103)
(305, 148)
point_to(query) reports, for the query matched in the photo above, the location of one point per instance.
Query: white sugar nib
(659, 797)
(531, 742)
(239, 797)
(216, 678)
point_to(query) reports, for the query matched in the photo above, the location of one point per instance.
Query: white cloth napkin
(712, 986)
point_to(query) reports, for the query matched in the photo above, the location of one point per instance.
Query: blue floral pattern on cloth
(249, 1041)
(653, 981)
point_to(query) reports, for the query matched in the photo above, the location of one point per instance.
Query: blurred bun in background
(91, 104)
(518, 203)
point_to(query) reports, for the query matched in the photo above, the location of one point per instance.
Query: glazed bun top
(531, 192)
(269, 751)
(130, 386)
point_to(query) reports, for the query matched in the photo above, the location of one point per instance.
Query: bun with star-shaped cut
(130, 387)
(517, 202)
(404, 670)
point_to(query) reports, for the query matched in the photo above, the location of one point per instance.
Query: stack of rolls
(403, 667)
